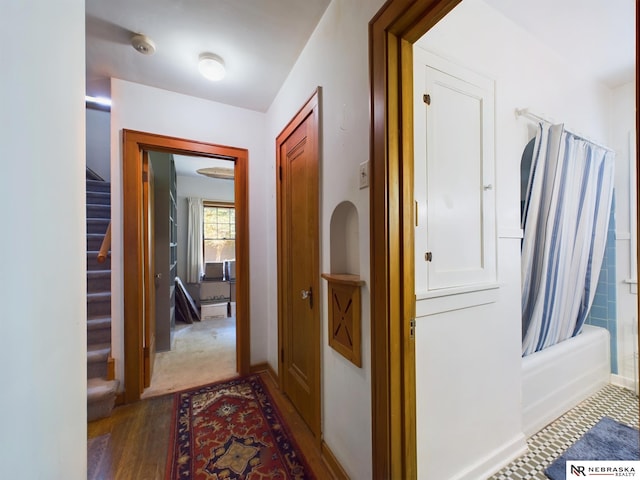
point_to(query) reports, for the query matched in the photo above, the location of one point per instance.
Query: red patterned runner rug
(232, 430)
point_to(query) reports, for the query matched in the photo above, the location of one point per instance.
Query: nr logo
(578, 470)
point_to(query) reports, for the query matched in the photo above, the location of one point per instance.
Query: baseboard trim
(111, 368)
(265, 367)
(624, 382)
(332, 462)
(495, 460)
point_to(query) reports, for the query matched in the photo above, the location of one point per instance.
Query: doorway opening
(194, 217)
(136, 308)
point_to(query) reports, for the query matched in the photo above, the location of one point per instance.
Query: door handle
(307, 294)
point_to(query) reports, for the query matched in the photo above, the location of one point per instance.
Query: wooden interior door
(149, 319)
(298, 263)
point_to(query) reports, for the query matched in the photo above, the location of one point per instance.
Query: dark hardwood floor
(140, 437)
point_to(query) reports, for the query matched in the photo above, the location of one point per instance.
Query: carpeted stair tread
(98, 186)
(93, 264)
(98, 296)
(94, 241)
(99, 387)
(97, 225)
(101, 397)
(98, 198)
(99, 322)
(99, 273)
(98, 211)
(99, 330)
(98, 281)
(101, 393)
(98, 353)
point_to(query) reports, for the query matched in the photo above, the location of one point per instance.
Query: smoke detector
(143, 44)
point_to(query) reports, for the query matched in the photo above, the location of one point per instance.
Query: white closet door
(454, 177)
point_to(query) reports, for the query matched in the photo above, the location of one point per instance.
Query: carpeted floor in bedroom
(201, 353)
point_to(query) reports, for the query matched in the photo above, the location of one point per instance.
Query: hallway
(139, 436)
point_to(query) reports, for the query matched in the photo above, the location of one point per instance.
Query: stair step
(99, 352)
(98, 281)
(98, 186)
(97, 225)
(99, 330)
(98, 304)
(98, 323)
(97, 356)
(94, 241)
(98, 211)
(101, 393)
(93, 264)
(98, 198)
(101, 396)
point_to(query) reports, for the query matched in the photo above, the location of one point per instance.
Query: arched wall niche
(345, 239)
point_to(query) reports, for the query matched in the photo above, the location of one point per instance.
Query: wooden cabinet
(344, 315)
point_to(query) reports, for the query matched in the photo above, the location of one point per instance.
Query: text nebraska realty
(622, 471)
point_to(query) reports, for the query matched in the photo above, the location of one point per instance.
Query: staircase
(101, 387)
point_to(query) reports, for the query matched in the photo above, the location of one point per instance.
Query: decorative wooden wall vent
(344, 315)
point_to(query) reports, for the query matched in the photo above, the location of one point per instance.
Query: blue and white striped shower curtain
(565, 222)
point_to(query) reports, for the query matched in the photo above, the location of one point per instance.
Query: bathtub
(559, 377)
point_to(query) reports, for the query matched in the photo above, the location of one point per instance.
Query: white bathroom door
(454, 177)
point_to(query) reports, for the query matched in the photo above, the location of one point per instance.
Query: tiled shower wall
(603, 310)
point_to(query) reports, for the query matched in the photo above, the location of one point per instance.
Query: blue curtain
(565, 220)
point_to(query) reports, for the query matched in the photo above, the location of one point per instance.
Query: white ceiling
(598, 37)
(260, 41)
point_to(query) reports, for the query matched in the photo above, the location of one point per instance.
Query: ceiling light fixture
(143, 44)
(217, 172)
(211, 67)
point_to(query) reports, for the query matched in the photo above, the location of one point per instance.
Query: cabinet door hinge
(426, 98)
(412, 328)
(282, 355)
(280, 172)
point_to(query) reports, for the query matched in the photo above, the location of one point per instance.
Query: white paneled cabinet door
(454, 178)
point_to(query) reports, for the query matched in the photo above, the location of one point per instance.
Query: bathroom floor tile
(549, 443)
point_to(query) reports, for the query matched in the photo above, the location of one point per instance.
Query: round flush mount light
(143, 44)
(211, 67)
(217, 172)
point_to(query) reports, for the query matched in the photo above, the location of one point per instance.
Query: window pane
(210, 230)
(219, 250)
(219, 223)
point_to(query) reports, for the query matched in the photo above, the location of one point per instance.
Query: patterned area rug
(232, 430)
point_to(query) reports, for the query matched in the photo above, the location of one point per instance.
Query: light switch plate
(363, 175)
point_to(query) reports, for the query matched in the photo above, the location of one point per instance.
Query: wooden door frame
(392, 32)
(134, 143)
(311, 106)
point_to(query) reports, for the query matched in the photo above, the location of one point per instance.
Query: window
(219, 232)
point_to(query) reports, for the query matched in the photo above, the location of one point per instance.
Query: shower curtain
(565, 220)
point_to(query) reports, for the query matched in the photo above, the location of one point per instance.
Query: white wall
(42, 206)
(623, 140)
(206, 188)
(142, 108)
(335, 58)
(98, 142)
(468, 362)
